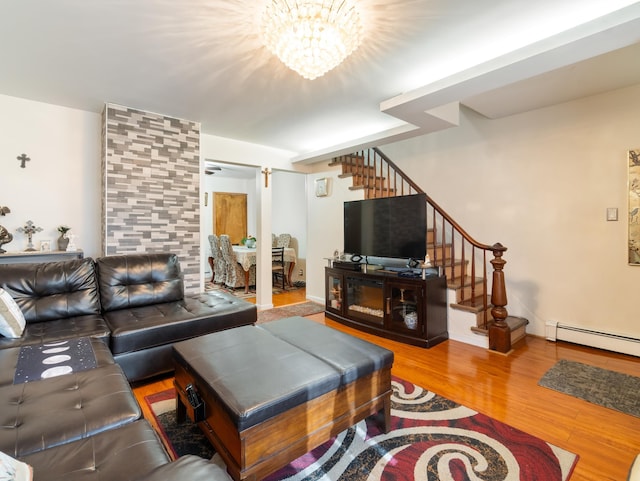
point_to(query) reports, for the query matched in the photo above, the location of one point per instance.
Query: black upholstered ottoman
(264, 395)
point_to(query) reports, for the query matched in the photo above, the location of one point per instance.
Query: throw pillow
(11, 468)
(12, 320)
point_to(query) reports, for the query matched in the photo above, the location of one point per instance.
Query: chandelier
(311, 37)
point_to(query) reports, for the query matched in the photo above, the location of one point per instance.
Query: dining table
(246, 257)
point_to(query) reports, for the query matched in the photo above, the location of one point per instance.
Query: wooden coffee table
(265, 395)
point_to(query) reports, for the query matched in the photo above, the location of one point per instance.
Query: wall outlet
(300, 272)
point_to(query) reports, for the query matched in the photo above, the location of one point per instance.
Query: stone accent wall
(150, 187)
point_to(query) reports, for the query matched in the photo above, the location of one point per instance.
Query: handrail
(378, 175)
(433, 202)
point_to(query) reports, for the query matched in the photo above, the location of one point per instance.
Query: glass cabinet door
(334, 294)
(365, 300)
(404, 307)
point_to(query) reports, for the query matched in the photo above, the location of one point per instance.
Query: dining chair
(218, 263)
(283, 240)
(277, 265)
(235, 274)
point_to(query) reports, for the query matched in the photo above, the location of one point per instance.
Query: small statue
(5, 235)
(5, 238)
(72, 242)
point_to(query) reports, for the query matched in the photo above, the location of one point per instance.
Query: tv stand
(406, 309)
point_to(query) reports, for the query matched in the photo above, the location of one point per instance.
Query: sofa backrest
(136, 280)
(52, 290)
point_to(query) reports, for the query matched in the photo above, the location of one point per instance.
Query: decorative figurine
(5, 238)
(5, 235)
(72, 243)
(29, 229)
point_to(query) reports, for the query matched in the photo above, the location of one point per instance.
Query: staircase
(475, 315)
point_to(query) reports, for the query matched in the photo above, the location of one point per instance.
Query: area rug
(239, 292)
(302, 309)
(431, 438)
(613, 390)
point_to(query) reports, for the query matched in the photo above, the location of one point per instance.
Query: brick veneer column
(150, 187)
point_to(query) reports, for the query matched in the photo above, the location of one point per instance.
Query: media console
(406, 309)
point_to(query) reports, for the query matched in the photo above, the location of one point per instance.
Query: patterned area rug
(239, 292)
(303, 309)
(613, 390)
(432, 438)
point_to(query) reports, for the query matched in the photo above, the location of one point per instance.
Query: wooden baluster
(499, 335)
(463, 267)
(453, 247)
(485, 320)
(473, 272)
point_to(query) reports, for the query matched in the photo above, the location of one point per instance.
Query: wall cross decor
(24, 159)
(267, 173)
(29, 229)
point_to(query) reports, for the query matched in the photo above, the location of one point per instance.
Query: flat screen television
(387, 227)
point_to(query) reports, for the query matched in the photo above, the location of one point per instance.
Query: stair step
(474, 305)
(358, 169)
(517, 327)
(350, 159)
(468, 290)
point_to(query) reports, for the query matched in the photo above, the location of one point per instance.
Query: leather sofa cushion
(353, 358)
(158, 324)
(9, 360)
(92, 325)
(126, 453)
(52, 290)
(38, 415)
(254, 374)
(189, 467)
(137, 280)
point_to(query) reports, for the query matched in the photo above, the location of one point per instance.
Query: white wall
(540, 183)
(326, 227)
(61, 182)
(289, 215)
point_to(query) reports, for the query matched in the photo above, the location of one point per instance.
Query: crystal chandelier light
(311, 36)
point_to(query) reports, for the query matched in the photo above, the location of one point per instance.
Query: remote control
(194, 399)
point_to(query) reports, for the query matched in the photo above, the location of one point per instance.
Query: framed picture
(45, 246)
(322, 189)
(634, 207)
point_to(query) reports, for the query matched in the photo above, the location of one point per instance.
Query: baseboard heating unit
(588, 337)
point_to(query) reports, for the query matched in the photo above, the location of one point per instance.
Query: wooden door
(230, 215)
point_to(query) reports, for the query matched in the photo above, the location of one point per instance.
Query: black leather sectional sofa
(134, 303)
(86, 425)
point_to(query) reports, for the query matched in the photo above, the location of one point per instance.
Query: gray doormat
(613, 390)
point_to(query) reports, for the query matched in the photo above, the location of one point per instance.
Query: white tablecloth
(247, 256)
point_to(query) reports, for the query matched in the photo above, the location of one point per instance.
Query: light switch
(612, 213)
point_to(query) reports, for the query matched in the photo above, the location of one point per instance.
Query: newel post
(499, 333)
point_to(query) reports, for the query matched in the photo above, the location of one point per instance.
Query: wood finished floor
(505, 388)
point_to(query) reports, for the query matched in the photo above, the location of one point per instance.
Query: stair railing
(462, 257)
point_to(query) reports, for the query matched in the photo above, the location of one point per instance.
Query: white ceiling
(202, 60)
